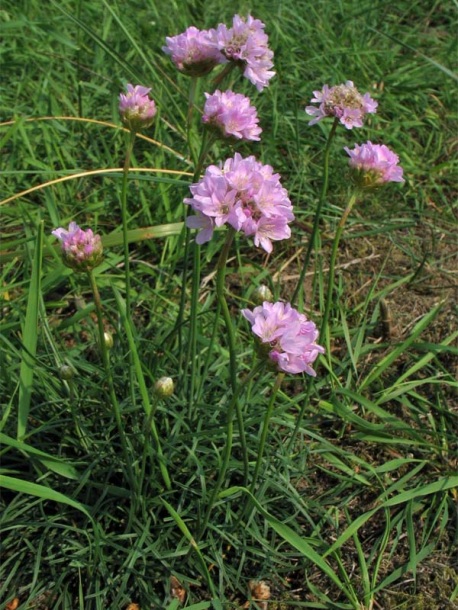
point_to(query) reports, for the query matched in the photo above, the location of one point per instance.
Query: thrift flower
(232, 114)
(374, 164)
(285, 337)
(246, 44)
(81, 250)
(245, 194)
(194, 52)
(344, 102)
(136, 108)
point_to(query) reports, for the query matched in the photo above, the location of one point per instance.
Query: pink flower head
(232, 114)
(244, 194)
(246, 44)
(344, 102)
(136, 108)
(374, 164)
(194, 52)
(81, 250)
(285, 336)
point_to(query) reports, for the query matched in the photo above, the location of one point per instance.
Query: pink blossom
(136, 108)
(194, 52)
(245, 194)
(81, 250)
(232, 114)
(374, 164)
(246, 44)
(344, 102)
(285, 336)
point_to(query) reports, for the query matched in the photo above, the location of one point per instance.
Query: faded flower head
(194, 52)
(245, 194)
(374, 164)
(344, 102)
(137, 110)
(285, 336)
(232, 114)
(246, 44)
(81, 250)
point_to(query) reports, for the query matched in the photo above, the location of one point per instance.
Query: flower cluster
(245, 194)
(196, 52)
(232, 114)
(374, 164)
(81, 250)
(285, 336)
(193, 52)
(136, 108)
(246, 44)
(344, 102)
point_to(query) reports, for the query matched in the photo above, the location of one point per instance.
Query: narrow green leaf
(30, 337)
(293, 539)
(53, 463)
(40, 491)
(401, 348)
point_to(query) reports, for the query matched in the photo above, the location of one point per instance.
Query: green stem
(324, 331)
(314, 237)
(125, 179)
(106, 364)
(220, 292)
(227, 447)
(265, 428)
(146, 445)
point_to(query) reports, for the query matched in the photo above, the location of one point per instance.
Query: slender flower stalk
(227, 446)
(314, 237)
(220, 292)
(332, 267)
(125, 180)
(106, 364)
(265, 428)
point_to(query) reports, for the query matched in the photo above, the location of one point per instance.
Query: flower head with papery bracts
(344, 102)
(81, 250)
(246, 44)
(232, 114)
(194, 52)
(285, 336)
(374, 164)
(245, 194)
(137, 110)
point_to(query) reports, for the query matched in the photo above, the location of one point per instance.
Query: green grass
(355, 502)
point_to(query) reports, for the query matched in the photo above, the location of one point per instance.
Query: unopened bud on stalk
(260, 294)
(108, 339)
(66, 372)
(164, 387)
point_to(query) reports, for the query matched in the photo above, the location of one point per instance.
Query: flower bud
(108, 340)
(137, 110)
(164, 387)
(81, 250)
(66, 372)
(260, 294)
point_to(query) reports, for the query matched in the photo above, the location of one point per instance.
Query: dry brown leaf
(177, 591)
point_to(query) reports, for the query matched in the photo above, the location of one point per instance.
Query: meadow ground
(353, 501)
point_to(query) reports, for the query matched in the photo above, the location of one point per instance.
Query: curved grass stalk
(93, 172)
(97, 122)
